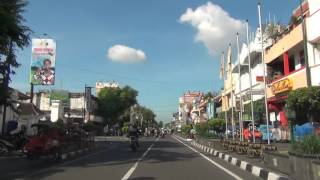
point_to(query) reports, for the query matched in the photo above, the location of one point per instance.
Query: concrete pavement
(167, 158)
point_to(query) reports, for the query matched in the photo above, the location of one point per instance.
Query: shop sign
(259, 78)
(281, 86)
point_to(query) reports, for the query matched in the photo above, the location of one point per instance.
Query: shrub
(185, 129)
(309, 145)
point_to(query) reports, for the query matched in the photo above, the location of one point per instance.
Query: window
(302, 60)
(275, 69)
(291, 63)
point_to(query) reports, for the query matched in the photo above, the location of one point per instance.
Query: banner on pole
(88, 99)
(43, 62)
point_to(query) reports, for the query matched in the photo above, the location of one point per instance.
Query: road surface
(158, 158)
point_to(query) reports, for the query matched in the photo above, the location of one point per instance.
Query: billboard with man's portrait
(43, 62)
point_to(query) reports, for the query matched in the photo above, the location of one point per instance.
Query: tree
(258, 110)
(306, 104)
(160, 124)
(13, 34)
(115, 102)
(217, 125)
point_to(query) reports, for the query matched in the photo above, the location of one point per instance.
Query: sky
(162, 48)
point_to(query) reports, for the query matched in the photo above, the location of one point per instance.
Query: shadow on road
(119, 156)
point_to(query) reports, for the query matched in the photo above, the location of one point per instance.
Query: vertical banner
(88, 99)
(43, 62)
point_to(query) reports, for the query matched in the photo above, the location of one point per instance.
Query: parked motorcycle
(133, 143)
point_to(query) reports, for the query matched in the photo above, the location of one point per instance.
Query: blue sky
(175, 61)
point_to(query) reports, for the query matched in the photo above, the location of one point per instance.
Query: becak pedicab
(47, 141)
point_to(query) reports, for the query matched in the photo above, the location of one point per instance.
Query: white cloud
(215, 27)
(125, 54)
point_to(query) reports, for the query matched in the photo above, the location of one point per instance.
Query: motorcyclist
(133, 131)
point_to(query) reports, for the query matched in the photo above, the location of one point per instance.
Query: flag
(222, 66)
(229, 63)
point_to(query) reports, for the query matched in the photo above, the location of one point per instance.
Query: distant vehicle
(264, 130)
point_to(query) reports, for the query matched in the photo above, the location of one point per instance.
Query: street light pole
(250, 80)
(240, 91)
(264, 75)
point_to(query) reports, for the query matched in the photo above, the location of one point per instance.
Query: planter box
(276, 161)
(305, 167)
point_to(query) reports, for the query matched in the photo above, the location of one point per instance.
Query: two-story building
(286, 62)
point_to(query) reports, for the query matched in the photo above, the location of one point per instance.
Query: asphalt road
(165, 158)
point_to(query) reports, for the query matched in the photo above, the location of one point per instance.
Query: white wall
(44, 102)
(315, 75)
(56, 110)
(77, 103)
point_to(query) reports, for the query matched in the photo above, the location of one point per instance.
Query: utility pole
(264, 74)
(305, 47)
(240, 91)
(250, 80)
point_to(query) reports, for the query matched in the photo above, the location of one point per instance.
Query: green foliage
(160, 124)
(185, 129)
(89, 127)
(258, 109)
(309, 145)
(306, 103)
(202, 129)
(148, 116)
(61, 95)
(218, 125)
(114, 102)
(13, 35)
(125, 129)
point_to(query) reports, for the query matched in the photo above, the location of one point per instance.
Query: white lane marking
(210, 160)
(131, 170)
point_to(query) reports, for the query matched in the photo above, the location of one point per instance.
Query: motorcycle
(133, 143)
(14, 142)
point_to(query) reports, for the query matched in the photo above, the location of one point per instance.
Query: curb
(244, 165)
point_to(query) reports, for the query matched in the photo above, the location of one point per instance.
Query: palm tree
(13, 34)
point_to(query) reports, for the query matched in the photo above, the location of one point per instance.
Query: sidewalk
(215, 144)
(255, 166)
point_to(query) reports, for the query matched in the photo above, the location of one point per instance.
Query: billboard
(43, 62)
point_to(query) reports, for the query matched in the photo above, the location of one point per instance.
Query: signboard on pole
(43, 62)
(88, 99)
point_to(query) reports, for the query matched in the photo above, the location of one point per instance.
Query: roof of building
(29, 108)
